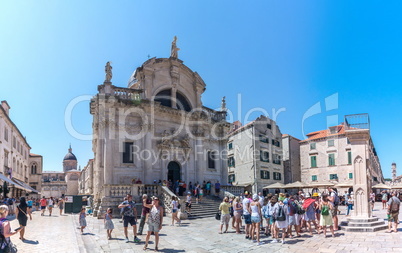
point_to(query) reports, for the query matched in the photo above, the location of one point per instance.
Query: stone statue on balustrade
(108, 71)
(175, 49)
(223, 105)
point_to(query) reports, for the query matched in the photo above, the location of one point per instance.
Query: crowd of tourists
(280, 216)
(276, 216)
(22, 209)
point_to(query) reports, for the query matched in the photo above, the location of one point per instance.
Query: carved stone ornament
(174, 50)
(108, 71)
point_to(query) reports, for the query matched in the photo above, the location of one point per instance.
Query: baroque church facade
(156, 129)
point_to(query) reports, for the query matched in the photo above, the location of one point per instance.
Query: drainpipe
(254, 163)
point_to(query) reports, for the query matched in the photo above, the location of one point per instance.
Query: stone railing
(231, 191)
(166, 196)
(126, 93)
(118, 190)
(148, 189)
(137, 190)
(214, 115)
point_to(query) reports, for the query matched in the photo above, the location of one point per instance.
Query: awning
(319, 184)
(381, 186)
(23, 184)
(277, 185)
(296, 184)
(6, 179)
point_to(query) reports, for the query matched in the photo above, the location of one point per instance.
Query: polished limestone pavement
(61, 234)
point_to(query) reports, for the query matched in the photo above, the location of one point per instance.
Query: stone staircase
(363, 225)
(208, 208)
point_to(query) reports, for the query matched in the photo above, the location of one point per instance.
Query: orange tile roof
(325, 133)
(31, 154)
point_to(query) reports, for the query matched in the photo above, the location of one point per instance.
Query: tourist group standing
(281, 216)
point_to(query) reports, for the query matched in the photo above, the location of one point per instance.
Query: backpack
(299, 208)
(336, 200)
(6, 246)
(281, 214)
(292, 207)
(325, 210)
(10, 202)
(394, 206)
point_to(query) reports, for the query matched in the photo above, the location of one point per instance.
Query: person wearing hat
(280, 214)
(225, 214)
(326, 215)
(309, 216)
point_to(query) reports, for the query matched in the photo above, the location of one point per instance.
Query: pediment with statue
(170, 141)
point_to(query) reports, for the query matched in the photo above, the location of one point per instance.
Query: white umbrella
(296, 184)
(381, 186)
(277, 185)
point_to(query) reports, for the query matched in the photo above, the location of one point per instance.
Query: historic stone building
(15, 157)
(57, 183)
(86, 181)
(156, 129)
(291, 159)
(328, 156)
(35, 167)
(255, 154)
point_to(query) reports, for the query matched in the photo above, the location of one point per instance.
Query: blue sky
(273, 54)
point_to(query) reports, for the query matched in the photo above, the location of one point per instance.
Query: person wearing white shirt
(247, 214)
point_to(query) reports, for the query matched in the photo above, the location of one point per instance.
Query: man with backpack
(393, 212)
(334, 199)
(129, 216)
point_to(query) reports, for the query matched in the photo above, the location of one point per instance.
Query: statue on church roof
(223, 104)
(108, 71)
(175, 49)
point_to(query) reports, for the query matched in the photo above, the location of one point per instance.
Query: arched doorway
(174, 171)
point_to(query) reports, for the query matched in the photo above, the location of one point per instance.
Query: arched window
(182, 102)
(165, 98)
(211, 159)
(33, 168)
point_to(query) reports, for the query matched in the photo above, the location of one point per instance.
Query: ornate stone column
(147, 169)
(359, 139)
(108, 152)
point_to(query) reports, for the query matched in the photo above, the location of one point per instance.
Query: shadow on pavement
(292, 241)
(171, 250)
(30, 242)
(116, 239)
(88, 234)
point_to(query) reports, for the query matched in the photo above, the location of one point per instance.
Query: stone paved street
(49, 234)
(61, 234)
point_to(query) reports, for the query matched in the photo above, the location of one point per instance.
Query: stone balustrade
(231, 191)
(214, 115)
(126, 93)
(166, 197)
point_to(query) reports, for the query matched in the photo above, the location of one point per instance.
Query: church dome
(70, 155)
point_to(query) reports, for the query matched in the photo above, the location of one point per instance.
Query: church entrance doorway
(174, 171)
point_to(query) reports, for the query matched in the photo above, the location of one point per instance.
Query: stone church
(59, 183)
(157, 128)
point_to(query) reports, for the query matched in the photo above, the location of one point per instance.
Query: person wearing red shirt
(43, 204)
